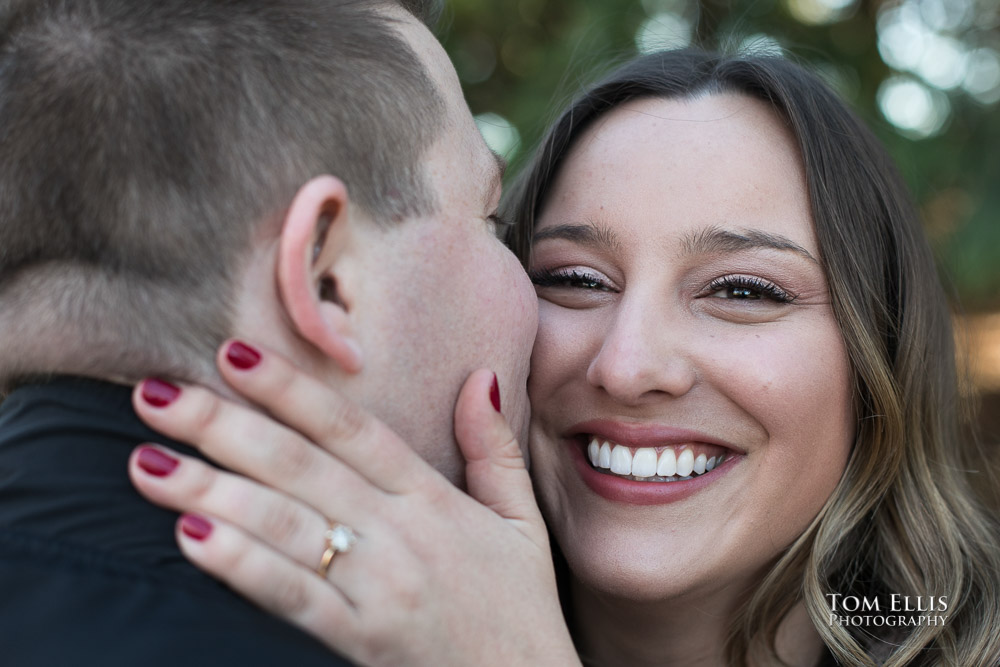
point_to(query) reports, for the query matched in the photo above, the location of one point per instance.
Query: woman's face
(685, 321)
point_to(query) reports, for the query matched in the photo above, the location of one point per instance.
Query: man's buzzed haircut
(145, 144)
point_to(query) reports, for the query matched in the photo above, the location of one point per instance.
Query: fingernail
(159, 393)
(495, 393)
(196, 527)
(242, 356)
(156, 462)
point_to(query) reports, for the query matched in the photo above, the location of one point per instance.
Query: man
(176, 172)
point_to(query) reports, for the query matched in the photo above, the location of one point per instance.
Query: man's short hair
(144, 144)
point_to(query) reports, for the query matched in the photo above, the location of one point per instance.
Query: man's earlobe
(312, 243)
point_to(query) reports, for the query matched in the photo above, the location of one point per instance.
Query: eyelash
(578, 279)
(572, 278)
(764, 288)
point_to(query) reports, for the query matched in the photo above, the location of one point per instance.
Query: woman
(743, 390)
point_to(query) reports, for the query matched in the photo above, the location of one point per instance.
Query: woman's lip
(619, 489)
(645, 434)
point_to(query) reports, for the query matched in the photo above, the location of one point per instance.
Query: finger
(187, 485)
(495, 470)
(243, 440)
(323, 416)
(267, 578)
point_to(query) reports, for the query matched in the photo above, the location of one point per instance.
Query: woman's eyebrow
(716, 239)
(706, 241)
(587, 234)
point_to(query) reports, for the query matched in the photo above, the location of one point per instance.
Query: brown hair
(146, 142)
(903, 518)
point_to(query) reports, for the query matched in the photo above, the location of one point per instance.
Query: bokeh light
(947, 15)
(937, 42)
(686, 8)
(902, 36)
(820, 12)
(944, 62)
(982, 80)
(979, 344)
(664, 30)
(934, 40)
(913, 108)
(500, 135)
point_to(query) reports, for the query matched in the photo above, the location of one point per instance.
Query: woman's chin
(658, 568)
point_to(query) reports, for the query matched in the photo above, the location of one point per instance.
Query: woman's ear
(313, 240)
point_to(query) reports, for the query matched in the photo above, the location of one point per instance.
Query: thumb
(495, 471)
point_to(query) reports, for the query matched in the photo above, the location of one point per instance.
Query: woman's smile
(641, 463)
(691, 387)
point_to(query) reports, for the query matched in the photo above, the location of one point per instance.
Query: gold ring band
(339, 540)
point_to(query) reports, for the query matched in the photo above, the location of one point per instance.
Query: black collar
(64, 448)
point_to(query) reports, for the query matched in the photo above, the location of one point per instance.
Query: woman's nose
(642, 357)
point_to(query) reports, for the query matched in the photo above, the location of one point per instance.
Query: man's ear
(313, 239)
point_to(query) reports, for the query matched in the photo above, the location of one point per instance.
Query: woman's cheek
(795, 382)
(560, 348)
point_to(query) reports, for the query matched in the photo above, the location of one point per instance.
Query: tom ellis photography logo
(889, 610)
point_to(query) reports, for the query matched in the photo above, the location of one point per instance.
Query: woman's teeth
(647, 465)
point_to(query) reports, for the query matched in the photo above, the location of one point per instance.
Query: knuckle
(405, 581)
(411, 596)
(203, 484)
(229, 501)
(290, 457)
(289, 598)
(280, 381)
(378, 648)
(241, 564)
(205, 414)
(408, 593)
(232, 557)
(280, 524)
(343, 422)
(510, 455)
(437, 495)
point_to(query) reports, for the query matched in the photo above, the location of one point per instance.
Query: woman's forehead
(721, 160)
(719, 122)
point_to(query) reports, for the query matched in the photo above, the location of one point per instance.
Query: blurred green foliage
(524, 59)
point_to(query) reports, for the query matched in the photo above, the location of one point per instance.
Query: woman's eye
(571, 278)
(747, 288)
(737, 293)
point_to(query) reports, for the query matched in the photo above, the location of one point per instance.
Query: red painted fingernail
(155, 461)
(495, 393)
(196, 527)
(159, 393)
(242, 356)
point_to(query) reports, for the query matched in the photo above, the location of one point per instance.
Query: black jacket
(90, 573)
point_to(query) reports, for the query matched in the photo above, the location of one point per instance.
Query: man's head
(176, 172)
(145, 143)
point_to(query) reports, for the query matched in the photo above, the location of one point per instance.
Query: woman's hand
(435, 577)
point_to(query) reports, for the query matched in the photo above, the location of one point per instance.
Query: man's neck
(72, 320)
(32, 355)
